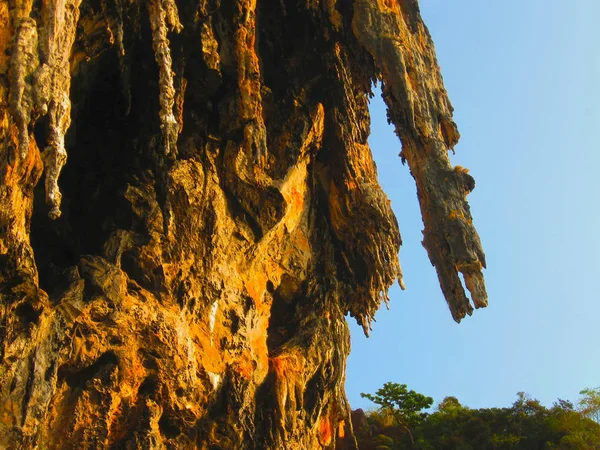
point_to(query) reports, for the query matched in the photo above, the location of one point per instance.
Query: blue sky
(523, 76)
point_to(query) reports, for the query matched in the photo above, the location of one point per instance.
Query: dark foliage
(526, 425)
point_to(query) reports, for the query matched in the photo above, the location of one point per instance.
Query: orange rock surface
(189, 209)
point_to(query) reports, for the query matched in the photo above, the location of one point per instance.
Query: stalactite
(355, 198)
(402, 49)
(163, 18)
(40, 78)
(60, 20)
(24, 62)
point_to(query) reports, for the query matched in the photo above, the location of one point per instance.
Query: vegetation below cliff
(526, 425)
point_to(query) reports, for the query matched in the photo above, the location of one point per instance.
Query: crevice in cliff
(149, 387)
(28, 314)
(168, 427)
(245, 220)
(101, 368)
(101, 158)
(54, 245)
(283, 322)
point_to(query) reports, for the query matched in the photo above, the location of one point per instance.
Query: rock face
(209, 214)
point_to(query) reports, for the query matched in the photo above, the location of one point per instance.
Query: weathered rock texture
(209, 215)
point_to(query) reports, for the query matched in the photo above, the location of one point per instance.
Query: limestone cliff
(209, 214)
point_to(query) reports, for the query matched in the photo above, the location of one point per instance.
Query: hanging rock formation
(210, 213)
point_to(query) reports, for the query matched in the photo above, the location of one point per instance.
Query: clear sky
(523, 76)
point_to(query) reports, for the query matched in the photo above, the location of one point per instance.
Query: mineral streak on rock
(243, 126)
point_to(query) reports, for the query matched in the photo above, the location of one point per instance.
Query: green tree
(526, 425)
(564, 405)
(589, 404)
(404, 405)
(450, 405)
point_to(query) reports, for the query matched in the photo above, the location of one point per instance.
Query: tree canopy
(399, 422)
(403, 405)
(589, 404)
